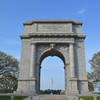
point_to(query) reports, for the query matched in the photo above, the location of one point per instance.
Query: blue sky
(52, 73)
(14, 12)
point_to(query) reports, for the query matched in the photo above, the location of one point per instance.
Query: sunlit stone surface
(62, 38)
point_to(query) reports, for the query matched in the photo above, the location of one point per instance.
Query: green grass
(5, 98)
(9, 98)
(99, 98)
(87, 97)
(20, 98)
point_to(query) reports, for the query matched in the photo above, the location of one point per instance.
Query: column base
(74, 89)
(86, 93)
(26, 86)
(26, 93)
(83, 87)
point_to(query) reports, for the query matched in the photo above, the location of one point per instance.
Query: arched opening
(52, 73)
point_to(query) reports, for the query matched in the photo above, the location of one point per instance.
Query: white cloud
(81, 11)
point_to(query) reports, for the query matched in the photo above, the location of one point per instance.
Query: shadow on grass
(5, 98)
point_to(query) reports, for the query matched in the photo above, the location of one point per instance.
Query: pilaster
(72, 64)
(33, 69)
(73, 78)
(32, 65)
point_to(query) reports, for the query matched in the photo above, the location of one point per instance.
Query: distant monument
(62, 38)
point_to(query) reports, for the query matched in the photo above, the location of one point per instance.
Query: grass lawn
(9, 98)
(89, 98)
(5, 98)
(19, 97)
(99, 98)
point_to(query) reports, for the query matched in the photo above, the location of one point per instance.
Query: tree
(8, 72)
(90, 86)
(95, 65)
(94, 76)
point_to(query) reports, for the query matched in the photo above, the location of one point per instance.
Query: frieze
(52, 27)
(52, 40)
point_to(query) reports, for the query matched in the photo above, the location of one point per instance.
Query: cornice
(52, 21)
(58, 35)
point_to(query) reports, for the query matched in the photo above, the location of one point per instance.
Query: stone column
(65, 69)
(33, 79)
(72, 65)
(32, 65)
(66, 78)
(73, 79)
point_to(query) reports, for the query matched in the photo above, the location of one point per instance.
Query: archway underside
(52, 52)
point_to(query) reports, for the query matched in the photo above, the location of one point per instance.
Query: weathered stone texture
(53, 27)
(53, 38)
(59, 28)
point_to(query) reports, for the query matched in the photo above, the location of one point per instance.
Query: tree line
(49, 91)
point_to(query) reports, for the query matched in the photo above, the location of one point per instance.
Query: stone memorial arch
(62, 38)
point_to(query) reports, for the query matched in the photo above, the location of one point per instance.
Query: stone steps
(51, 97)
